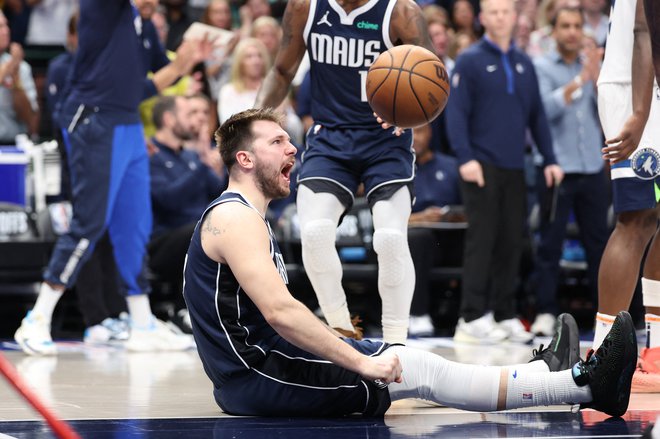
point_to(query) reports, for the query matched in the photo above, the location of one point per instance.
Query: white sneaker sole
(38, 349)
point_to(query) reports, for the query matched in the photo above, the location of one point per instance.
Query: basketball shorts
(338, 160)
(636, 181)
(294, 383)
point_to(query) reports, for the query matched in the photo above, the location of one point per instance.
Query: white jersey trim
(310, 20)
(386, 24)
(342, 386)
(348, 19)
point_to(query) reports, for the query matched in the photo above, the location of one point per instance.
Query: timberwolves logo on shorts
(645, 163)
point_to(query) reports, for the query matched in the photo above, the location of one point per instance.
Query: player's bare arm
(292, 49)
(408, 25)
(620, 147)
(243, 244)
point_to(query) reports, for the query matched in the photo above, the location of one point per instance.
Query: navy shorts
(631, 193)
(338, 160)
(293, 383)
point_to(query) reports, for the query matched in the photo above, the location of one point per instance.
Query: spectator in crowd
(251, 11)
(103, 127)
(177, 21)
(155, 57)
(436, 188)
(19, 111)
(181, 187)
(48, 21)
(202, 142)
(596, 22)
(434, 12)
(495, 98)
(463, 19)
(442, 39)
(267, 30)
(249, 67)
(17, 13)
(524, 28)
(567, 80)
(218, 67)
(540, 40)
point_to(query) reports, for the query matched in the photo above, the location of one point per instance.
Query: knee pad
(650, 292)
(391, 246)
(318, 241)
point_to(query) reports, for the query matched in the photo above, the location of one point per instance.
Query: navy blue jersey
(232, 335)
(108, 71)
(342, 46)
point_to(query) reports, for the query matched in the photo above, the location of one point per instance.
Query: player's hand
(385, 368)
(620, 147)
(397, 131)
(553, 175)
(472, 172)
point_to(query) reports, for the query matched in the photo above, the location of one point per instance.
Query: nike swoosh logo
(515, 374)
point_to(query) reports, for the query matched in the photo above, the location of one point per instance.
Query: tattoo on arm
(207, 227)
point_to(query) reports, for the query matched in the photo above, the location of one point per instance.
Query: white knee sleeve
(650, 292)
(396, 282)
(318, 244)
(391, 246)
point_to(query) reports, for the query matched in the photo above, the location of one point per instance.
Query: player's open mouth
(286, 171)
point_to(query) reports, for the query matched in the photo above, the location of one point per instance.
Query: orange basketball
(407, 86)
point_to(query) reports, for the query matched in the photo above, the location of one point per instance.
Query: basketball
(407, 86)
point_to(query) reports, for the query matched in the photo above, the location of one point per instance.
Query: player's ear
(245, 159)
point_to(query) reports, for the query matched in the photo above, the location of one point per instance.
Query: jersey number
(363, 85)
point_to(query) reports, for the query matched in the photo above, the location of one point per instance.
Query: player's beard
(268, 181)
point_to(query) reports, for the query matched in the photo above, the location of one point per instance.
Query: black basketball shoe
(609, 370)
(564, 349)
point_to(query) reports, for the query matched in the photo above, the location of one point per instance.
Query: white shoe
(33, 336)
(515, 331)
(544, 324)
(482, 331)
(109, 331)
(158, 337)
(421, 326)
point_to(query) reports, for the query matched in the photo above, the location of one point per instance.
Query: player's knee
(640, 224)
(391, 246)
(318, 240)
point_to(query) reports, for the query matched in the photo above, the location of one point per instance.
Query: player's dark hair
(573, 9)
(236, 133)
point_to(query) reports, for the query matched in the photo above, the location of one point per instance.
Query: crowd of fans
(228, 81)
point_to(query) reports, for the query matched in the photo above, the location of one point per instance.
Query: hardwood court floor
(106, 392)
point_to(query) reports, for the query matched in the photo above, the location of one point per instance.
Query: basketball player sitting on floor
(268, 355)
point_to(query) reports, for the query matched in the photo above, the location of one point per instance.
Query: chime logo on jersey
(645, 163)
(341, 51)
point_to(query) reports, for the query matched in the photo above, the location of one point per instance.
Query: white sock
(140, 310)
(46, 301)
(652, 330)
(540, 389)
(477, 388)
(604, 323)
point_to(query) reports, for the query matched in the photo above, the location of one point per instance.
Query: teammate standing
(346, 146)
(627, 98)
